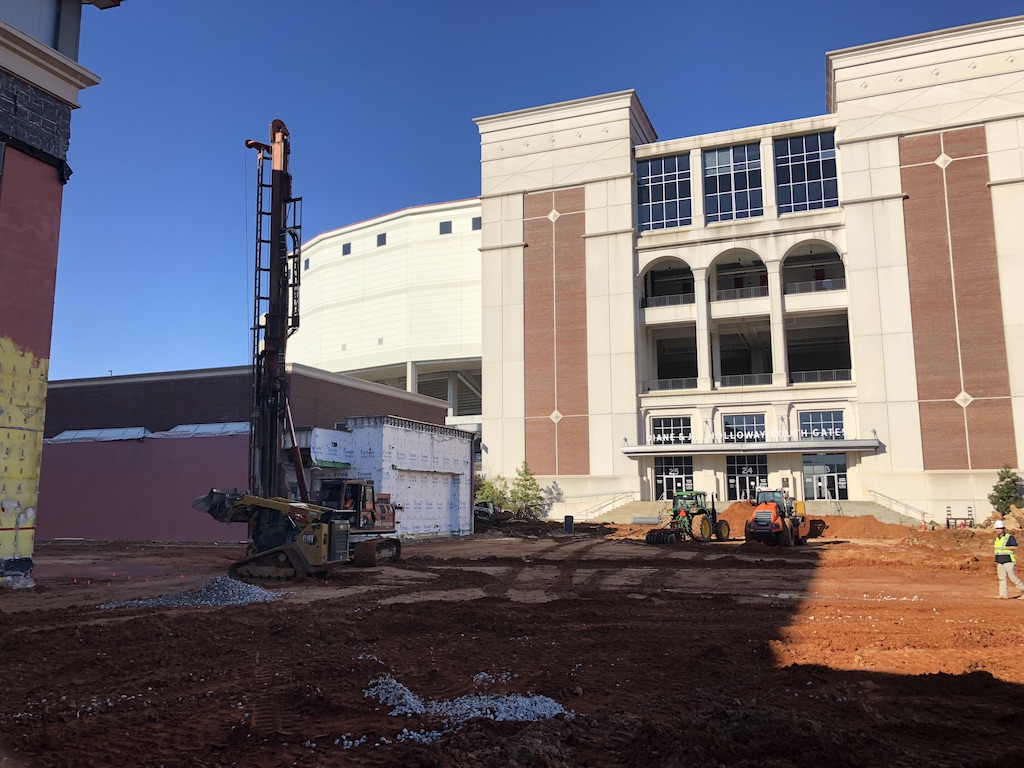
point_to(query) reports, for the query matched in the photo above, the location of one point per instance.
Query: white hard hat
(1000, 524)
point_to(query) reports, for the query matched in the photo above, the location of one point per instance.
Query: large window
(822, 425)
(805, 173)
(663, 192)
(732, 183)
(744, 428)
(672, 431)
(671, 474)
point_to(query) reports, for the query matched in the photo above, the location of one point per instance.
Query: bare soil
(873, 645)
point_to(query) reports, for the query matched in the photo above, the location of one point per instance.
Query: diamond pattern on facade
(963, 399)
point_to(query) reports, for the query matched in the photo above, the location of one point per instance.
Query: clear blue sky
(379, 96)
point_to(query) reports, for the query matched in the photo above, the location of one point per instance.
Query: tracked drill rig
(290, 539)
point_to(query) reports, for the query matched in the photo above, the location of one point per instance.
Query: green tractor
(683, 525)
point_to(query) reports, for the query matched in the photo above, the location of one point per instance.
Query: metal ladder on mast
(264, 264)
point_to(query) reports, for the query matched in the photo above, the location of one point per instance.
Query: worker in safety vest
(1006, 560)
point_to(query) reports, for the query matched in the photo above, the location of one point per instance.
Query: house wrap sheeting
(426, 468)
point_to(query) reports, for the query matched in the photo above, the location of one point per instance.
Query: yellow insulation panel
(22, 400)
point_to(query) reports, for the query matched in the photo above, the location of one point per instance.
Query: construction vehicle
(289, 538)
(682, 524)
(293, 540)
(777, 519)
(489, 513)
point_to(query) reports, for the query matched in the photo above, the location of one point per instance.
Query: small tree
(493, 490)
(526, 497)
(1008, 490)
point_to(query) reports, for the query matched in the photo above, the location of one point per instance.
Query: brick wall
(555, 344)
(959, 345)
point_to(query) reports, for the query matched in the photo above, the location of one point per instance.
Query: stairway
(647, 511)
(861, 508)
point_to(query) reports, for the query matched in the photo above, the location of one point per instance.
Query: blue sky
(156, 246)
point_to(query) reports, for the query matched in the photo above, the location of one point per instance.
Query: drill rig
(290, 539)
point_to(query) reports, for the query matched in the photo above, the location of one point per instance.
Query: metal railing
(654, 385)
(741, 293)
(890, 503)
(668, 301)
(813, 286)
(810, 377)
(603, 506)
(745, 380)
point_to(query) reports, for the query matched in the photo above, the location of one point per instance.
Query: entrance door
(744, 475)
(825, 476)
(671, 474)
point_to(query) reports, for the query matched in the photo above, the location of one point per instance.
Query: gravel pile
(511, 707)
(218, 591)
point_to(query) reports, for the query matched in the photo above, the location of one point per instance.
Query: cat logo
(309, 538)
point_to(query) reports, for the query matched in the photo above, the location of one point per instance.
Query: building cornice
(549, 112)
(737, 136)
(42, 66)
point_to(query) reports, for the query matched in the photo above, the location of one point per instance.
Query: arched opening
(811, 268)
(666, 284)
(739, 275)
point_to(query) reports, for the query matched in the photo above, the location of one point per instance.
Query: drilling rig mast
(275, 314)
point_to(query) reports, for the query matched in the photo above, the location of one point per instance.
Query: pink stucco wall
(131, 490)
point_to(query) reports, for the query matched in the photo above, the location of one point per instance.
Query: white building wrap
(426, 468)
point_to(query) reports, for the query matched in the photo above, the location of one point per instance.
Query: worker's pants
(1005, 570)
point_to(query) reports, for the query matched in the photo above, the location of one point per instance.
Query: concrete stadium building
(824, 305)
(396, 300)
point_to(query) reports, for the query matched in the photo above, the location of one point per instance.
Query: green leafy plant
(494, 490)
(1008, 491)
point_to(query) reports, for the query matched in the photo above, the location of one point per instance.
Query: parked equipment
(290, 539)
(293, 539)
(488, 513)
(683, 524)
(777, 519)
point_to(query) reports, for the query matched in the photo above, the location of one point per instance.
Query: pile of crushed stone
(218, 591)
(513, 707)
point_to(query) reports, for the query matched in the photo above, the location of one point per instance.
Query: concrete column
(411, 377)
(768, 178)
(780, 363)
(716, 356)
(697, 188)
(453, 393)
(700, 291)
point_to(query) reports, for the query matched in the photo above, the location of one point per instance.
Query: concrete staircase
(646, 512)
(861, 508)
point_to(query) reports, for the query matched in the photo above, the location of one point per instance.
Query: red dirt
(866, 647)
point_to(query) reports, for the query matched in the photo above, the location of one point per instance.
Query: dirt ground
(874, 645)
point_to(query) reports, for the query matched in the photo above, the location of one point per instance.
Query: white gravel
(514, 707)
(218, 591)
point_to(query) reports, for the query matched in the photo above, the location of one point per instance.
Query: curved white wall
(414, 299)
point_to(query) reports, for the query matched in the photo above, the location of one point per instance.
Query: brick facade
(555, 345)
(963, 376)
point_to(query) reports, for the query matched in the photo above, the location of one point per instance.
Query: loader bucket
(220, 505)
